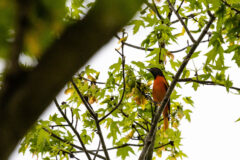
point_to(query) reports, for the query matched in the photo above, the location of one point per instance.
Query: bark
(25, 95)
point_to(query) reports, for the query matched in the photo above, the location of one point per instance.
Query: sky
(212, 133)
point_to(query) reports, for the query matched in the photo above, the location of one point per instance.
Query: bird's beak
(148, 70)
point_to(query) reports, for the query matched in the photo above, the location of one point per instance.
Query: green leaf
(139, 64)
(232, 48)
(188, 100)
(175, 64)
(114, 130)
(124, 152)
(174, 95)
(195, 86)
(237, 120)
(211, 55)
(116, 66)
(186, 73)
(137, 24)
(43, 139)
(236, 57)
(228, 84)
(85, 137)
(151, 20)
(89, 70)
(187, 114)
(195, 54)
(154, 52)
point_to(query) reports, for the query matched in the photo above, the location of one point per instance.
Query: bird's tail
(165, 118)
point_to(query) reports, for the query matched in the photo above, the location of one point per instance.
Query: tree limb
(192, 15)
(85, 102)
(150, 136)
(151, 49)
(121, 146)
(180, 5)
(73, 129)
(71, 144)
(181, 20)
(124, 86)
(97, 150)
(234, 9)
(154, 9)
(141, 126)
(205, 82)
(95, 117)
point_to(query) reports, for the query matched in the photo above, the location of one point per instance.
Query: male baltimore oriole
(160, 87)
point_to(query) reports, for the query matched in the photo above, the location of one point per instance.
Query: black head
(155, 72)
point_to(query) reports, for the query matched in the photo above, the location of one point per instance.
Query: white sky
(212, 133)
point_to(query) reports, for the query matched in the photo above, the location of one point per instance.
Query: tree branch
(150, 136)
(154, 9)
(124, 87)
(95, 117)
(181, 20)
(85, 102)
(151, 49)
(97, 150)
(94, 82)
(121, 146)
(71, 144)
(192, 15)
(171, 143)
(141, 126)
(62, 125)
(140, 137)
(234, 9)
(73, 129)
(69, 153)
(22, 100)
(180, 5)
(205, 83)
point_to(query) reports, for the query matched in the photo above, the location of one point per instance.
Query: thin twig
(117, 147)
(144, 119)
(141, 126)
(94, 82)
(71, 144)
(97, 150)
(151, 49)
(150, 136)
(180, 5)
(181, 20)
(140, 137)
(62, 125)
(87, 105)
(154, 9)
(169, 143)
(234, 9)
(76, 123)
(72, 115)
(95, 117)
(147, 96)
(99, 131)
(73, 129)
(192, 15)
(205, 83)
(69, 153)
(124, 87)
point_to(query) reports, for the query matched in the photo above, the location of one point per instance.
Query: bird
(160, 87)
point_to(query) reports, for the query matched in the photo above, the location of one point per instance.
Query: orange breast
(159, 89)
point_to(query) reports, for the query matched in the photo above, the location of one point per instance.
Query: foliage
(126, 93)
